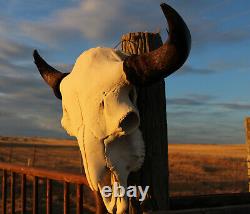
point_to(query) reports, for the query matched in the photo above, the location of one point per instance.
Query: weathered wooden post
(247, 128)
(152, 106)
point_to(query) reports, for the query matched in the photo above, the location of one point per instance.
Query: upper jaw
(115, 157)
(123, 154)
(113, 204)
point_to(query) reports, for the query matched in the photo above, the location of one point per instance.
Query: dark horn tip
(165, 6)
(148, 68)
(40, 62)
(177, 22)
(170, 12)
(36, 56)
(35, 53)
(51, 76)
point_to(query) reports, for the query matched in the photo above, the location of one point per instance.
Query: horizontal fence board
(43, 173)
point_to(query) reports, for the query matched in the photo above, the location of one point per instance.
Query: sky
(207, 99)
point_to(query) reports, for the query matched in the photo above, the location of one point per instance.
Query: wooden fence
(209, 204)
(11, 171)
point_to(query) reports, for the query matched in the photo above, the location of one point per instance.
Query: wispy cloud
(29, 107)
(188, 69)
(23, 94)
(13, 50)
(207, 100)
(91, 19)
(105, 21)
(191, 100)
(235, 106)
(184, 101)
(202, 118)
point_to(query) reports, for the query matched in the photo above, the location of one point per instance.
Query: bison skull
(99, 104)
(99, 110)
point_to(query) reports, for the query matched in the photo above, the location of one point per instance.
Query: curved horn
(148, 68)
(51, 76)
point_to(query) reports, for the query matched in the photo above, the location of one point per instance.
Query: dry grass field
(52, 154)
(207, 169)
(194, 169)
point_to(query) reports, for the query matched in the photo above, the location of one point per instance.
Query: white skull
(99, 110)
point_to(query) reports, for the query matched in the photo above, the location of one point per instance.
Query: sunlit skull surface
(99, 109)
(99, 103)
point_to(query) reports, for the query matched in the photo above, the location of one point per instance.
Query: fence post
(247, 128)
(152, 107)
(23, 194)
(4, 191)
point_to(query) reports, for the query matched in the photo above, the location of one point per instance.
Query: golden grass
(207, 169)
(54, 154)
(194, 169)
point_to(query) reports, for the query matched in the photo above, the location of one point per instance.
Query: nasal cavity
(130, 122)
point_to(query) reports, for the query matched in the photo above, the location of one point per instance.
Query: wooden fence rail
(38, 173)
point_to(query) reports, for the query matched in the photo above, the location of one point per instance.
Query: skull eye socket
(130, 122)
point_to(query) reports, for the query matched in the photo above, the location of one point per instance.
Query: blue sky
(207, 100)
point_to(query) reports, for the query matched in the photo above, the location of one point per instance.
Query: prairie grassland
(207, 169)
(194, 169)
(52, 154)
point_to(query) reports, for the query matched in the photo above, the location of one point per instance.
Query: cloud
(225, 64)
(207, 100)
(96, 21)
(191, 100)
(8, 25)
(105, 21)
(28, 106)
(8, 69)
(17, 123)
(184, 101)
(12, 50)
(201, 118)
(235, 106)
(188, 69)
(89, 19)
(209, 132)
(202, 97)
(30, 111)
